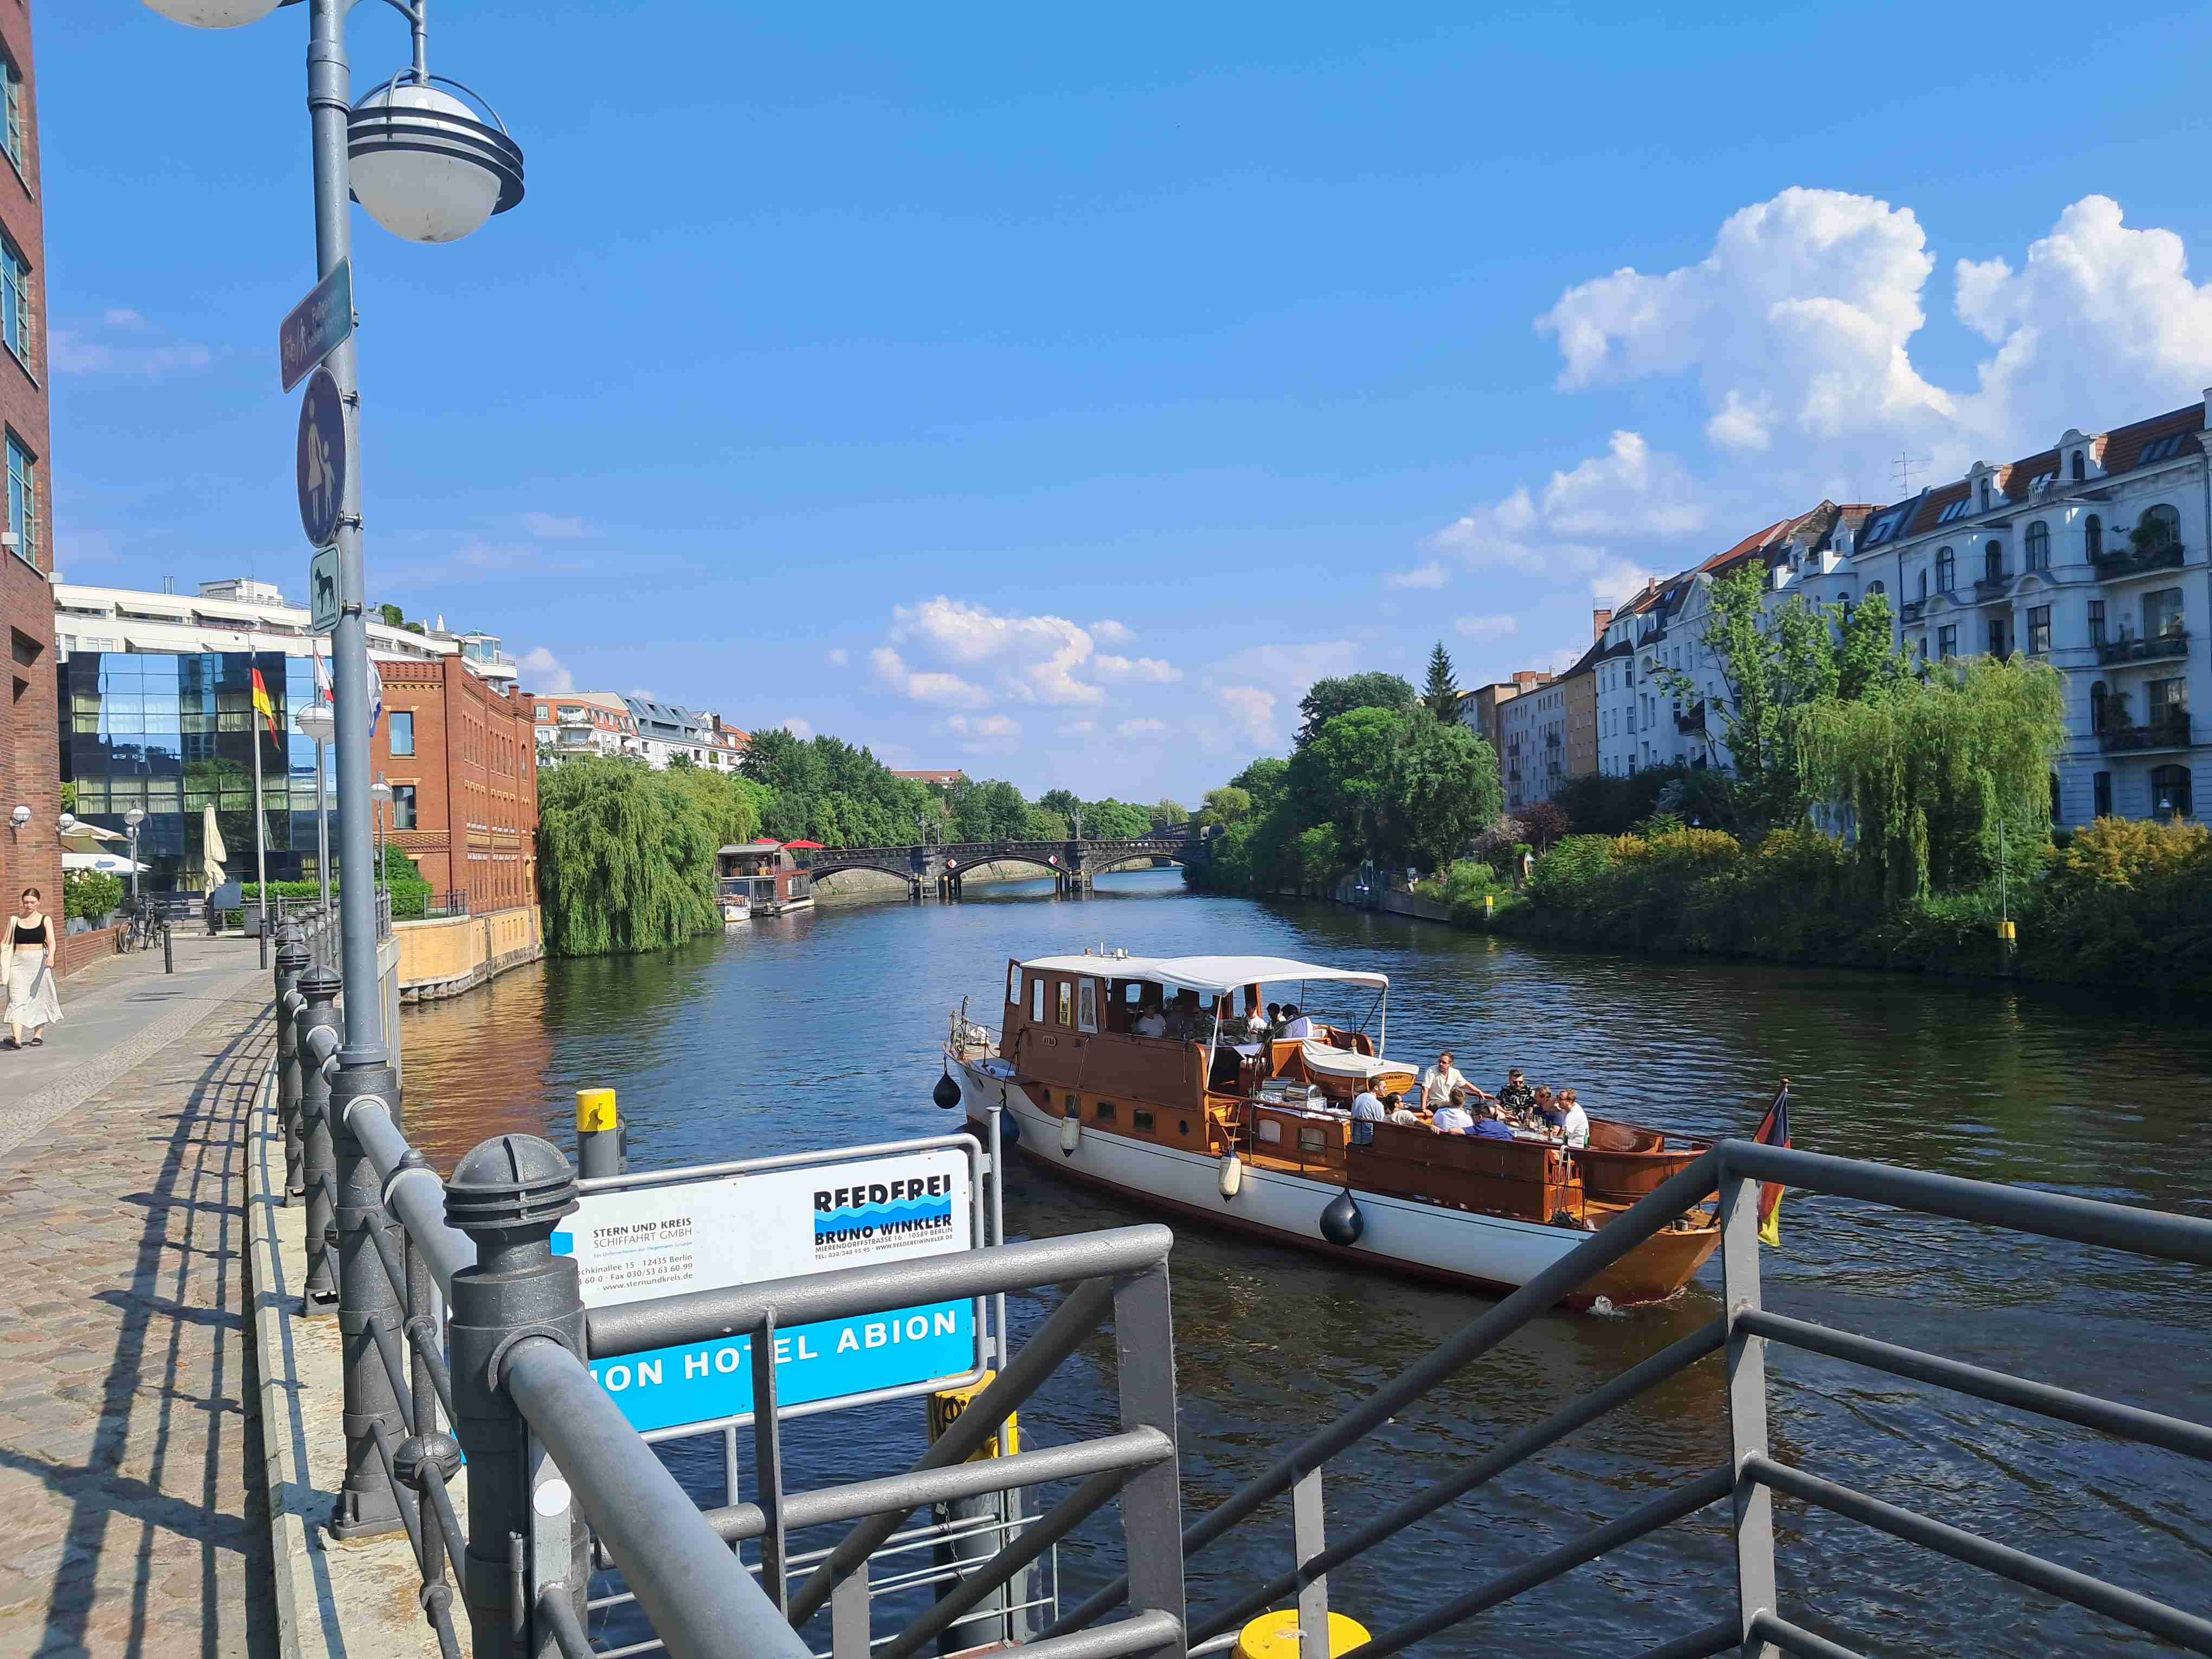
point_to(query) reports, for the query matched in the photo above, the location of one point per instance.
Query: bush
(90, 894)
(2127, 901)
(1464, 885)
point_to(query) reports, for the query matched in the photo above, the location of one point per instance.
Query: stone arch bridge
(1072, 863)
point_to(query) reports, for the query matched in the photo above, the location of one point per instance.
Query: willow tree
(1938, 772)
(625, 858)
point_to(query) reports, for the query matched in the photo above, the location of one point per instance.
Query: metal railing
(560, 1484)
(2153, 647)
(2168, 731)
(1736, 1171)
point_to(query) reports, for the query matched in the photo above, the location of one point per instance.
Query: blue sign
(322, 458)
(703, 1381)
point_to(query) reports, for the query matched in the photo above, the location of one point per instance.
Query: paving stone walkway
(125, 1524)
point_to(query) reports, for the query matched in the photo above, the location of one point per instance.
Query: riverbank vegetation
(626, 855)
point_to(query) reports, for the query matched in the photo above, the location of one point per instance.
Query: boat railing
(1737, 1172)
(469, 1354)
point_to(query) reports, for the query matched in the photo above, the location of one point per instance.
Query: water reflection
(822, 1027)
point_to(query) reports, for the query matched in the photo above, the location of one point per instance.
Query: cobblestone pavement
(125, 1526)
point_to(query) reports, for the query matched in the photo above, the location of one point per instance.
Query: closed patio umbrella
(212, 851)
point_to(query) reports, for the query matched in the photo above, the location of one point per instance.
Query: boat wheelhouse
(766, 874)
(1136, 1074)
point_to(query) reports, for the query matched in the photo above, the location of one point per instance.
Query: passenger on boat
(1492, 1125)
(1402, 1112)
(1444, 1085)
(1152, 1024)
(1274, 1022)
(1547, 1114)
(1574, 1122)
(1366, 1112)
(1295, 1026)
(1516, 1097)
(1451, 1121)
(1260, 1026)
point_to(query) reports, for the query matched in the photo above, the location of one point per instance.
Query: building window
(2170, 795)
(1947, 570)
(1874, 588)
(2161, 614)
(2038, 631)
(11, 89)
(1923, 587)
(2101, 784)
(2080, 473)
(2093, 535)
(2096, 622)
(403, 806)
(23, 499)
(16, 300)
(403, 732)
(2058, 814)
(1946, 641)
(2160, 526)
(2100, 711)
(2001, 637)
(2039, 547)
(1993, 564)
(1985, 494)
(2167, 701)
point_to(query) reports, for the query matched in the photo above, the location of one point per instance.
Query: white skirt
(30, 998)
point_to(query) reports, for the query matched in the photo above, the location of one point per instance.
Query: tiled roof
(2123, 445)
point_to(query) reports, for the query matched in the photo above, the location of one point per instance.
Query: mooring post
(507, 1195)
(318, 1170)
(600, 1135)
(291, 961)
(366, 1503)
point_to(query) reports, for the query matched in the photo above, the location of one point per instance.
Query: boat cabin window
(1036, 998)
(1014, 986)
(1312, 1138)
(1102, 1111)
(1086, 1005)
(1063, 1012)
(1143, 1120)
(1270, 1133)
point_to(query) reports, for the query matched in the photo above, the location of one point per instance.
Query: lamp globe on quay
(213, 13)
(425, 166)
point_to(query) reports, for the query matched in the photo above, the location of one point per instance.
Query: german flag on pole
(1773, 1131)
(264, 706)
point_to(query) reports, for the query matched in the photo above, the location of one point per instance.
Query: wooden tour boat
(1256, 1136)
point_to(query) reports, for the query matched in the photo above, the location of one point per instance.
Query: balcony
(1913, 610)
(2118, 567)
(2161, 647)
(1692, 723)
(1992, 589)
(2170, 732)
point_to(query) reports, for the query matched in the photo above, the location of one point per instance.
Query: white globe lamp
(425, 166)
(213, 13)
(316, 722)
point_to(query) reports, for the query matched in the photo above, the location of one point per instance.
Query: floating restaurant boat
(764, 877)
(1256, 1135)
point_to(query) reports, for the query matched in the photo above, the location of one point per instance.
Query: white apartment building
(2090, 555)
(1532, 759)
(666, 729)
(571, 723)
(237, 615)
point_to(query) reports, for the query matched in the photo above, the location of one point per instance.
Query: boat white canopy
(1208, 975)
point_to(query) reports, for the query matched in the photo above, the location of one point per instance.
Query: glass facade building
(173, 735)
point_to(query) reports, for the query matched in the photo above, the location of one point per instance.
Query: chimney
(1599, 617)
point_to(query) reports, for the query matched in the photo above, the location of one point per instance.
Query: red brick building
(30, 751)
(462, 760)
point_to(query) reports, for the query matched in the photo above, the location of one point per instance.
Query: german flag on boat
(1773, 1131)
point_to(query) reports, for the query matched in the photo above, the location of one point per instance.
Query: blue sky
(1054, 395)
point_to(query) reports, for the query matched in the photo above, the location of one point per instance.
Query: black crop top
(30, 932)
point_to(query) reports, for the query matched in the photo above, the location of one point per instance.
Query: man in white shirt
(1451, 1121)
(1152, 1024)
(1443, 1084)
(1574, 1126)
(1298, 1027)
(1366, 1112)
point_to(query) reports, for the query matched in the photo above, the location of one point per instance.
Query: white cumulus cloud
(803, 730)
(1430, 574)
(1140, 728)
(542, 671)
(95, 350)
(985, 733)
(929, 686)
(1107, 631)
(1030, 659)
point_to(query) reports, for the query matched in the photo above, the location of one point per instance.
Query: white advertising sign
(639, 1242)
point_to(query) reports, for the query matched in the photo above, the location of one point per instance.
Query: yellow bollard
(598, 1134)
(1490, 907)
(945, 1406)
(2009, 932)
(1275, 1636)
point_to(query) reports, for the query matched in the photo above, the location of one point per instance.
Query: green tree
(1931, 768)
(1265, 781)
(626, 858)
(1038, 824)
(1227, 806)
(393, 615)
(1115, 819)
(1326, 699)
(1444, 781)
(1441, 694)
(681, 764)
(1065, 802)
(1169, 816)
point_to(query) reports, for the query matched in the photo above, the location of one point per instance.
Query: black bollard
(319, 1172)
(291, 961)
(366, 1503)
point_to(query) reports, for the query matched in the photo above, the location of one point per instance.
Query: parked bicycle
(149, 926)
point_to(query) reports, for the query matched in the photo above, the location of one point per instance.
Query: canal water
(824, 1028)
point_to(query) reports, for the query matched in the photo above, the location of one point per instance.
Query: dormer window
(2080, 469)
(2159, 449)
(1985, 493)
(1955, 509)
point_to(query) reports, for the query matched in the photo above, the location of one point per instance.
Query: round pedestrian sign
(322, 457)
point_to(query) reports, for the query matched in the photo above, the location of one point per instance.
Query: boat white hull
(736, 910)
(1495, 1253)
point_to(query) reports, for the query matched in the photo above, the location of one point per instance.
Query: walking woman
(26, 963)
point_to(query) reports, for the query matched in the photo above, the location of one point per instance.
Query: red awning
(804, 847)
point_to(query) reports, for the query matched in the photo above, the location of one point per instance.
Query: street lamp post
(423, 166)
(315, 722)
(131, 820)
